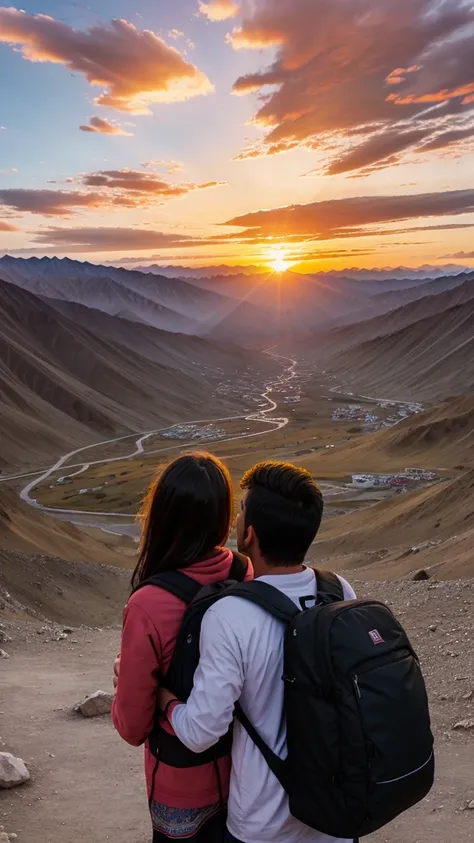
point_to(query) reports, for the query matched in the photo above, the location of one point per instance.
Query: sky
(320, 134)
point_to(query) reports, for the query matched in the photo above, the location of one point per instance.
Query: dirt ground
(87, 785)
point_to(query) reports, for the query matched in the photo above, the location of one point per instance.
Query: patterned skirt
(182, 823)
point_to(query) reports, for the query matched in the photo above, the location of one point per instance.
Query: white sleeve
(218, 682)
(349, 593)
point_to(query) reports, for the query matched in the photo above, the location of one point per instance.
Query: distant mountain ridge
(398, 273)
(90, 351)
(73, 375)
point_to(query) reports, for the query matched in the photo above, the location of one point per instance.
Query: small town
(192, 431)
(399, 480)
(369, 419)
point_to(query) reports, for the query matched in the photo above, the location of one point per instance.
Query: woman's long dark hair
(186, 514)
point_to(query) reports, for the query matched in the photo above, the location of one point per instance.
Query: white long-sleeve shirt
(242, 659)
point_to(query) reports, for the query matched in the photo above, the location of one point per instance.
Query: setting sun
(279, 262)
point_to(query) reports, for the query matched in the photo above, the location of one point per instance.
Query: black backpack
(360, 747)
(180, 674)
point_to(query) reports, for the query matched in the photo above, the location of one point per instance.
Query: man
(242, 654)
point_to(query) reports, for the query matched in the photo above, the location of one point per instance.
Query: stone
(420, 576)
(4, 655)
(470, 806)
(433, 627)
(13, 771)
(464, 724)
(95, 705)
(4, 837)
(468, 696)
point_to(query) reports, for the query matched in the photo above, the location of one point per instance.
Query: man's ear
(249, 537)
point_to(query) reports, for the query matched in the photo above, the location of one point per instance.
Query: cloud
(133, 188)
(100, 126)
(49, 202)
(105, 239)
(5, 226)
(111, 188)
(446, 140)
(170, 166)
(134, 67)
(333, 218)
(459, 256)
(357, 66)
(218, 10)
(379, 147)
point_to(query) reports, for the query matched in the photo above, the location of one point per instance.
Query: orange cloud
(170, 166)
(5, 226)
(346, 217)
(133, 188)
(53, 203)
(100, 126)
(448, 139)
(217, 10)
(112, 188)
(134, 67)
(396, 77)
(379, 147)
(464, 92)
(105, 239)
(328, 80)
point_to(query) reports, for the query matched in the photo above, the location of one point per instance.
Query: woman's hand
(164, 698)
(116, 672)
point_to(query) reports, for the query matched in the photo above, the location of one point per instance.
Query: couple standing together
(230, 794)
(274, 706)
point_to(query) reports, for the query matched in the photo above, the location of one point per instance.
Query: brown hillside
(62, 591)
(427, 360)
(448, 427)
(63, 385)
(436, 514)
(25, 529)
(331, 342)
(441, 437)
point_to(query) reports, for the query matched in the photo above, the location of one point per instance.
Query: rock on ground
(464, 724)
(13, 771)
(95, 704)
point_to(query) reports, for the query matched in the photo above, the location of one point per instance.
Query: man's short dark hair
(284, 506)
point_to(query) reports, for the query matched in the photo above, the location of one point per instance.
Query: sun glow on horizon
(279, 261)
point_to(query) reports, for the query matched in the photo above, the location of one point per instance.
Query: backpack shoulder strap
(269, 598)
(175, 583)
(239, 567)
(277, 765)
(330, 588)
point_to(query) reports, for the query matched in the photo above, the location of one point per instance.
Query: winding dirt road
(262, 415)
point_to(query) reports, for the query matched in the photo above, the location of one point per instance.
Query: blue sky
(342, 107)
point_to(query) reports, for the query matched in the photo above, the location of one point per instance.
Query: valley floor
(87, 785)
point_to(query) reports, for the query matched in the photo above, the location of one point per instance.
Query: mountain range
(90, 352)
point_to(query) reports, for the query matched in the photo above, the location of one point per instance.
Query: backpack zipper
(355, 682)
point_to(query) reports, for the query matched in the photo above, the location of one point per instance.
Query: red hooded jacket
(154, 613)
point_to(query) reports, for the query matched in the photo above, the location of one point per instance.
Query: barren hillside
(441, 511)
(427, 360)
(25, 529)
(65, 384)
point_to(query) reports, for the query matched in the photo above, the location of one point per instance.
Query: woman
(187, 520)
